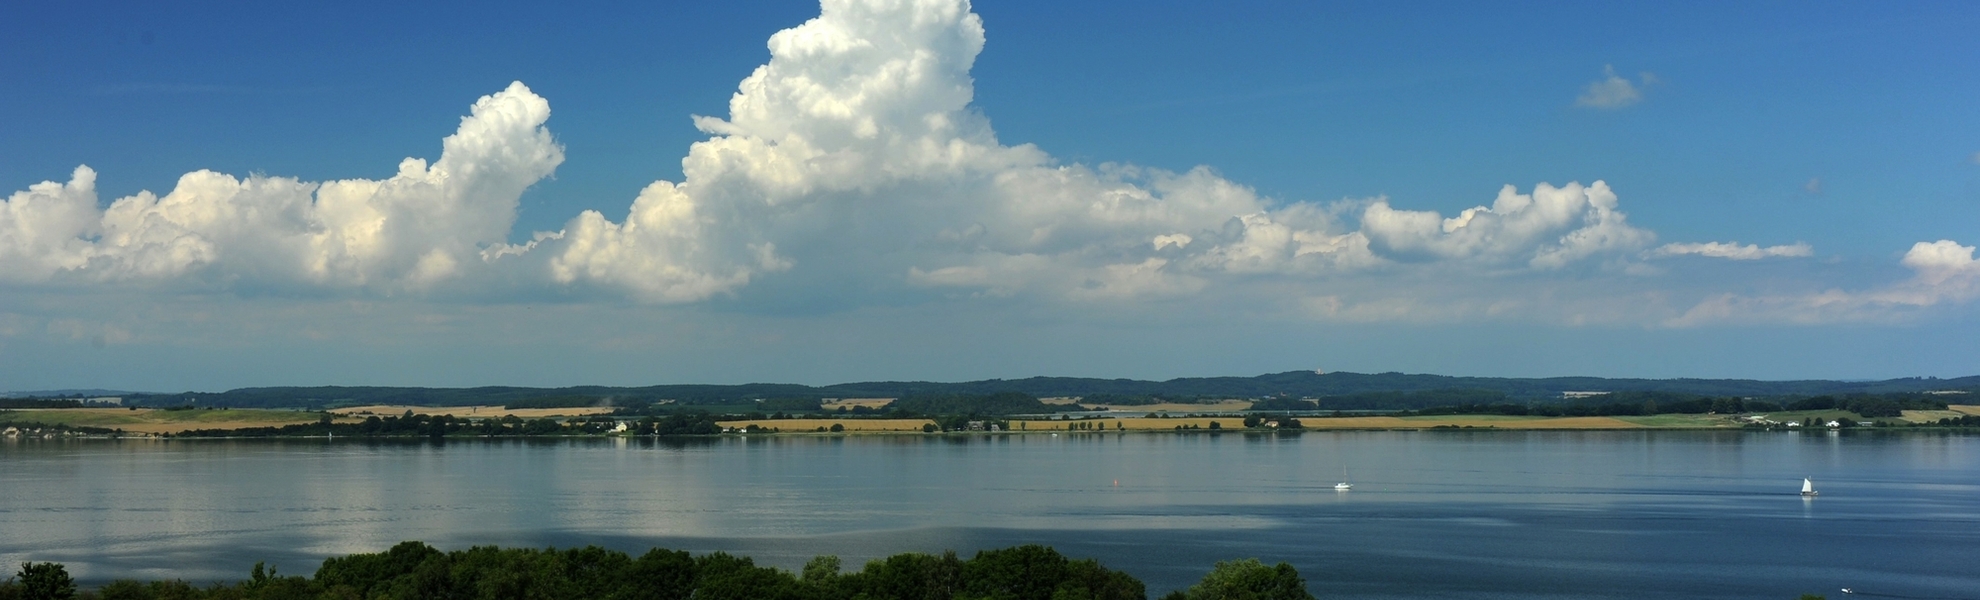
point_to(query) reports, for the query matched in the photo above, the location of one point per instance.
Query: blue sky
(1777, 180)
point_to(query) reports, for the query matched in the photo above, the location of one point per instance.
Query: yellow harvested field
(804, 425)
(147, 420)
(478, 412)
(1927, 416)
(1965, 408)
(849, 403)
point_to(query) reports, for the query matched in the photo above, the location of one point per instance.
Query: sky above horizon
(212, 195)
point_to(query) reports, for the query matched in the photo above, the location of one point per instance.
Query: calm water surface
(1432, 514)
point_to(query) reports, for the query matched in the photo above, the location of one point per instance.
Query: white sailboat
(1808, 487)
(1344, 485)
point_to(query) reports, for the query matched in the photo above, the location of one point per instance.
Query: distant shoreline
(582, 422)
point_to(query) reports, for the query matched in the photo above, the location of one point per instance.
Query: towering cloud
(860, 125)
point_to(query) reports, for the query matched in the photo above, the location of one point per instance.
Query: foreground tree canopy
(413, 570)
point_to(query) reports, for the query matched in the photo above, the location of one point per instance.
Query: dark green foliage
(415, 571)
(1406, 400)
(908, 577)
(1034, 572)
(695, 423)
(44, 581)
(1965, 421)
(821, 568)
(125, 589)
(40, 403)
(795, 405)
(1007, 403)
(1247, 579)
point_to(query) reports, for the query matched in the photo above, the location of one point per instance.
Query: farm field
(148, 420)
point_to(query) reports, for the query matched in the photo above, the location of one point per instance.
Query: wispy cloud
(1734, 251)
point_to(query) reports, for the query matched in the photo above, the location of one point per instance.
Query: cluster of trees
(961, 422)
(33, 403)
(1963, 421)
(413, 570)
(695, 423)
(1284, 421)
(406, 425)
(1886, 405)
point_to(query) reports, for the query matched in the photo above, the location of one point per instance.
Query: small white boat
(1344, 485)
(1808, 487)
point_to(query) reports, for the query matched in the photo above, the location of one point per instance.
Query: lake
(1433, 514)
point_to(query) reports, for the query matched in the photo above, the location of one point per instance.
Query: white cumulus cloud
(860, 125)
(422, 226)
(1546, 229)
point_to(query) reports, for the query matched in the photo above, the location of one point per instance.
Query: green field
(1680, 420)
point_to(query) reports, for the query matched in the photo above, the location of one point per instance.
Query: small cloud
(1814, 186)
(1735, 251)
(1613, 91)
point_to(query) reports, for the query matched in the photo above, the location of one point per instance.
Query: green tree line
(413, 570)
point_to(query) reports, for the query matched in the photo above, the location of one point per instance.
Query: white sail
(1808, 487)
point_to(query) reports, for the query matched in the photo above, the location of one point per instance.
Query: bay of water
(1486, 514)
